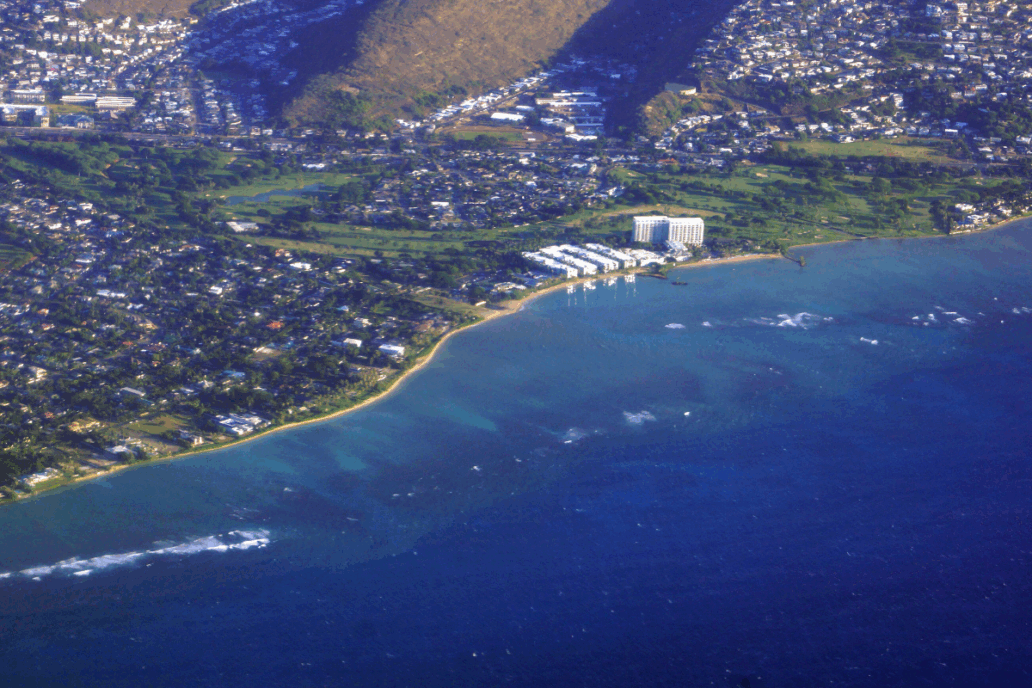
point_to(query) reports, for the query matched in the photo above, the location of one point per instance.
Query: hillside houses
(102, 67)
(77, 56)
(878, 58)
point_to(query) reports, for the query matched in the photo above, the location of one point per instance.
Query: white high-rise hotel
(654, 229)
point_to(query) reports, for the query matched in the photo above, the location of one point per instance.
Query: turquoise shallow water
(811, 476)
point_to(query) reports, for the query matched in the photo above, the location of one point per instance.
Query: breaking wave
(233, 540)
(946, 317)
(802, 321)
(573, 435)
(638, 418)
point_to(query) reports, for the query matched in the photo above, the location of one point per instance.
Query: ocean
(767, 476)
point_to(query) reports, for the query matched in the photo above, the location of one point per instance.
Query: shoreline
(394, 384)
(954, 233)
(502, 309)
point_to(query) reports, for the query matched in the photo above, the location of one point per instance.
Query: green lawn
(348, 240)
(905, 148)
(287, 182)
(467, 135)
(768, 205)
(155, 424)
(68, 109)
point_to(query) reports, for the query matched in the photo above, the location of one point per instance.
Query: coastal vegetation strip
(153, 429)
(136, 315)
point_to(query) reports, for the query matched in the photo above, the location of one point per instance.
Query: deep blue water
(847, 504)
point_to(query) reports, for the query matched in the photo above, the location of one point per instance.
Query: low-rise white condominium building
(604, 263)
(624, 260)
(553, 266)
(655, 229)
(583, 267)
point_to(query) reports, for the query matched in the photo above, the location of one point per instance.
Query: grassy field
(155, 424)
(777, 205)
(352, 241)
(69, 109)
(148, 431)
(367, 240)
(766, 206)
(460, 308)
(284, 183)
(904, 148)
(512, 136)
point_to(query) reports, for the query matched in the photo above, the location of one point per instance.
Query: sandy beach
(498, 310)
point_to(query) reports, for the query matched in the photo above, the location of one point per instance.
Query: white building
(238, 226)
(345, 343)
(602, 262)
(620, 257)
(646, 258)
(28, 95)
(551, 265)
(240, 423)
(686, 230)
(114, 103)
(79, 99)
(393, 350)
(584, 268)
(654, 229)
(27, 115)
(650, 229)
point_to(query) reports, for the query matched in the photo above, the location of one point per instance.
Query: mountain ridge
(414, 50)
